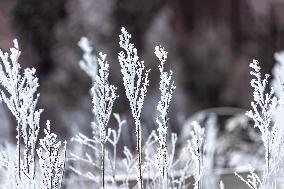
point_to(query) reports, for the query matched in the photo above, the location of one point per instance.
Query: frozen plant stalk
(104, 95)
(166, 88)
(135, 80)
(264, 106)
(196, 150)
(20, 95)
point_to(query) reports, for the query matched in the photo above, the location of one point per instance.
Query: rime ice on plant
(20, 99)
(264, 106)
(20, 95)
(113, 138)
(104, 96)
(89, 62)
(166, 88)
(252, 180)
(196, 149)
(135, 80)
(50, 163)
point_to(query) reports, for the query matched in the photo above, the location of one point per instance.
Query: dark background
(210, 44)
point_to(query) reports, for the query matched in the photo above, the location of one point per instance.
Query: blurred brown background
(210, 45)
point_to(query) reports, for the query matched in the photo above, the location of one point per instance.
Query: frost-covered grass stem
(135, 80)
(103, 164)
(264, 105)
(139, 151)
(104, 95)
(166, 89)
(196, 150)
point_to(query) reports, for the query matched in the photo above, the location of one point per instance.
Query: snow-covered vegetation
(158, 161)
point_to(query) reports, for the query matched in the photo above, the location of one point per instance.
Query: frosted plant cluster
(156, 160)
(265, 106)
(30, 166)
(135, 81)
(157, 163)
(166, 88)
(104, 95)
